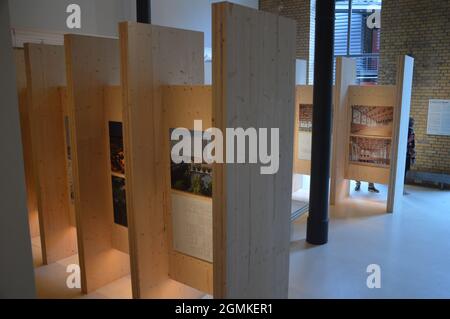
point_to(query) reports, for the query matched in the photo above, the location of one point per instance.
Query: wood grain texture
(114, 113)
(370, 174)
(92, 64)
(65, 107)
(182, 105)
(33, 218)
(46, 72)
(405, 71)
(372, 95)
(345, 76)
(191, 271)
(151, 56)
(254, 86)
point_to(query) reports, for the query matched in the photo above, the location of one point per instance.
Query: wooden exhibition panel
(368, 96)
(92, 65)
(45, 74)
(33, 218)
(372, 123)
(114, 113)
(405, 70)
(182, 105)
(254, 86)
(68, 147)
(345, 76)
(151, 56)
(303, 96)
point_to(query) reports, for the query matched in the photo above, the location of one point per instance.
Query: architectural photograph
(306, 117)
(231, 158)
(372, 120)
(119, 200)
(371, 151)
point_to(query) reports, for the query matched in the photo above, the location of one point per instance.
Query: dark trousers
(408, 165)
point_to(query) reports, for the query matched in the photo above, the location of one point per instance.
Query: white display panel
(304, 145)
(439, 117)
(192, 226)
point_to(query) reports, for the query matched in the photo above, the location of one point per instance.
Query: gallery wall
(99, 17)
(192, 15)
(413, 27)
(16, 275)
(302, 11)
(420, 29)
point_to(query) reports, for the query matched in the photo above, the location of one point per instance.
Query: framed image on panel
(372, 120)
(118, 181)
(371, 131)
(190, 174)
(370, 151)
(191, 199)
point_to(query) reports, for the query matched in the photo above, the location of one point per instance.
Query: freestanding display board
(46, 73)
(405, 71)
(93, 66)
(345, 76)
(152, 56)
(303, 129)
(253, 86)
(371, 133)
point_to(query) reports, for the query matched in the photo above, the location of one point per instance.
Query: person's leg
(407, 168)
(408, 165)
(358, 186)
(372, 188)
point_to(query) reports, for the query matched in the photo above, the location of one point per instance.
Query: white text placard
(439, 117)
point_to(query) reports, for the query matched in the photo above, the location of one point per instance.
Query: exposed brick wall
(415, 27)
(298, 10)
(421, 29)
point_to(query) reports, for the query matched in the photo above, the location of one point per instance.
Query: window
(358, 36)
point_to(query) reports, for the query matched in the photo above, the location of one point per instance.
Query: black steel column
(317, 231)
(143, 8)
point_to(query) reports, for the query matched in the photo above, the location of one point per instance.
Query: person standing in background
(410, 149)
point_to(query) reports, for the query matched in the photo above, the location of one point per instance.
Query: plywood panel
(405, 68)
(372, 95)
(114, 113)
(377, 95)
(371, 174)
(185, 103)
(191, 271)
(33, 219)
(68, 148)
(303, 95)
(182, 105)
(254, 86)
(113, 103)
(345, 76)
(92, 64)
(45, 74)
(152, 56)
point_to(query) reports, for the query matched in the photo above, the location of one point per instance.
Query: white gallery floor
(412, 247)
